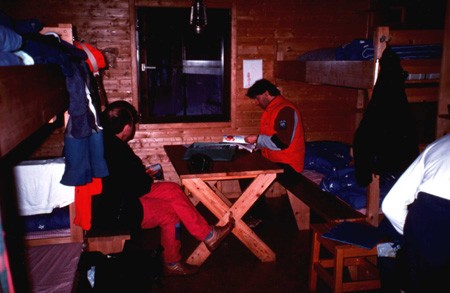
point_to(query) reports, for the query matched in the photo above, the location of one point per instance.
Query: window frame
(228, 72)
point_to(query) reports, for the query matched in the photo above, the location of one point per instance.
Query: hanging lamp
(198, 17)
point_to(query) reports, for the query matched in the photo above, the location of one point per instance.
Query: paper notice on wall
(252, 72)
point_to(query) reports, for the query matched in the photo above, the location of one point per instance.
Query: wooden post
(443, 119)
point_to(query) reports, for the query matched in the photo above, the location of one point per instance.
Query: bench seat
(113, 241)
(305, 195)
(106, 241)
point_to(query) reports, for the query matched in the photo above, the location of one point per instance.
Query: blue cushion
(326, 156)
(342, 183)
(10, 41)
(9, 59)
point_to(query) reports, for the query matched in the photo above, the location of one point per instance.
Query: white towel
(38, 186)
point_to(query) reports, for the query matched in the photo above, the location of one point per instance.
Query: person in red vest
(281, 137)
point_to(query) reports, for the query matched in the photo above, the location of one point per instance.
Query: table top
(243, 165)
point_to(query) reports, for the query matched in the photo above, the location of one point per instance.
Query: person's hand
(151, 172)
(251, 138)
(155, 171)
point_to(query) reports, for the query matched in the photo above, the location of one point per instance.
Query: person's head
(120, 118)
(263, 92)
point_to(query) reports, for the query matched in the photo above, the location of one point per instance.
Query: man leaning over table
(130, 198)
(281, 137)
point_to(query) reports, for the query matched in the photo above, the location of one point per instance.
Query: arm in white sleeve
(402, 194)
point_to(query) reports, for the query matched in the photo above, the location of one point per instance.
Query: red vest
(294, 155)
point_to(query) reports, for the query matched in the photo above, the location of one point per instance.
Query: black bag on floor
(132, 270)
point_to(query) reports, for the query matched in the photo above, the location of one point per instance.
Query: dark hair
(260, 87)
(118, 114)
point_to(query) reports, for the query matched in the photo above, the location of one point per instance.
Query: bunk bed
(361, 74)
(33, 94)
(422, 84)
(32, 97)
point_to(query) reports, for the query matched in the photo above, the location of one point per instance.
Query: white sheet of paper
(252, 72)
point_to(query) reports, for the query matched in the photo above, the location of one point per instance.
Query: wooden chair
(360, 262)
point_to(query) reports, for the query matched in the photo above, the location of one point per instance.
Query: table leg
(315, 254)
(300, 210)
(218, 191)
(220, 209)
(338, 270)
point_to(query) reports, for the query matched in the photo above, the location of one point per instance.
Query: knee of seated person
(171, 185)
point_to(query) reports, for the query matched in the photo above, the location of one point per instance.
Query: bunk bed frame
(31, 96)
(361, 75)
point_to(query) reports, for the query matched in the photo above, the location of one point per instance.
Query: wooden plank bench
(304, 196)
(109, 242)
(105, 241)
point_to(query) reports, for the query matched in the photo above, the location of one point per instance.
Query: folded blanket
(38, 186)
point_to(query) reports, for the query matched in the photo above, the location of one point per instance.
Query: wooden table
(203, 186)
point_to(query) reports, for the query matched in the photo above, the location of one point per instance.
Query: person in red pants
(131, 200)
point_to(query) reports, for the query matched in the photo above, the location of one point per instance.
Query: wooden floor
(233, 268)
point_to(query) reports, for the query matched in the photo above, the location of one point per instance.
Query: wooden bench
(304, 196)
(113, 241)
(105, 241)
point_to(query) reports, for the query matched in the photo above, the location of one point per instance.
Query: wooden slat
(353, 74)
(415, 37)
(373, 201)
(425, 66)
(443, 120)
(425, 94)
(29, 96)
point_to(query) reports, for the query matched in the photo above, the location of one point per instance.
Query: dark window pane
(184, 76)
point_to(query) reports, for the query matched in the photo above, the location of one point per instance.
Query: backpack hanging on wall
(96, 61)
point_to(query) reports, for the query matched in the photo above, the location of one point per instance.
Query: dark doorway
(183, 76)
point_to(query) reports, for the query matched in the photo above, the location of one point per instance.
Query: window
(183, 76)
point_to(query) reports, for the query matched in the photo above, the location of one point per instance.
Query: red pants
(165, 206)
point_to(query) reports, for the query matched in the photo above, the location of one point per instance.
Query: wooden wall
(260, 29)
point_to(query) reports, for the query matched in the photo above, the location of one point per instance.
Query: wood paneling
(259, 27)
